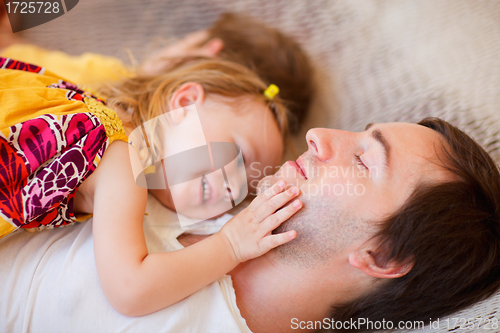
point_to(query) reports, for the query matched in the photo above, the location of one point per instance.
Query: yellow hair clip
(271, 91)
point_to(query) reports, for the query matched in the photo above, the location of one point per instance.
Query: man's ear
(213, 47)
(189, 93)
(366, 261)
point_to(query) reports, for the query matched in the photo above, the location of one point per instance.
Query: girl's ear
(366, 261)
(189, 93)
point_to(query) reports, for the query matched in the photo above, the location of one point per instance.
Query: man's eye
(359, 162)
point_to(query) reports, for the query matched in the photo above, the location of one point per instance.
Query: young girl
(64, 153)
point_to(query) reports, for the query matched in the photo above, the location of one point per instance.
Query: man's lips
(297, 168)
(301, 167)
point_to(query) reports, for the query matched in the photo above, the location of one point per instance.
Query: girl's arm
(137, 283)
(86, 69)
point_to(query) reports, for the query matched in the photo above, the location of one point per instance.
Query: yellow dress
(52, 137)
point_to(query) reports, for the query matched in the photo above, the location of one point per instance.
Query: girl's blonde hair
(145, 97)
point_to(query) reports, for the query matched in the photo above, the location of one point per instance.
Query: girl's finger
(273, 221)
(266, 195)
(196, 38)
(272, 241)
(274, 203)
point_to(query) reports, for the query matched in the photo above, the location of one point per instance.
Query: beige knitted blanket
(376, 60)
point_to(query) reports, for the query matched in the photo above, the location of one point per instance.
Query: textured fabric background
(378, 60)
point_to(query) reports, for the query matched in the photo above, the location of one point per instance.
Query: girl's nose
(237, 188)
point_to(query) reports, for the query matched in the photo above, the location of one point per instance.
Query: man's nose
(320, 142)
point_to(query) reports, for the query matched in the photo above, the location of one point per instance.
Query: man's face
(349, 181)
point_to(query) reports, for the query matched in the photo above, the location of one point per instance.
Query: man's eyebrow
(377, 135)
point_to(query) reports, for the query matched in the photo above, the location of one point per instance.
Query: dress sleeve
(53, 135)
(86, 69)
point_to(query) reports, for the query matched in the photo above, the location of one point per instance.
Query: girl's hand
(249, 232)
(195, 44)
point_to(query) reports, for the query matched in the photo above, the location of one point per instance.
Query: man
(393, 219)
(419, 239)
(400, 222)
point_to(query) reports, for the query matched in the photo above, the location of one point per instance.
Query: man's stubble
(324, 229)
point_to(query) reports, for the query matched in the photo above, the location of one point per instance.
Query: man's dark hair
(450, 231)
(275, 57)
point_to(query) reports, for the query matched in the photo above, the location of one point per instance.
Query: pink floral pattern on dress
(38, 142)
(13, 173)
(54, 182)
(19, 65)
(45, 159)
(74, 92)
(59, 153)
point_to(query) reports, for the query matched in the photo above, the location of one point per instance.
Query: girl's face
(242, 121)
